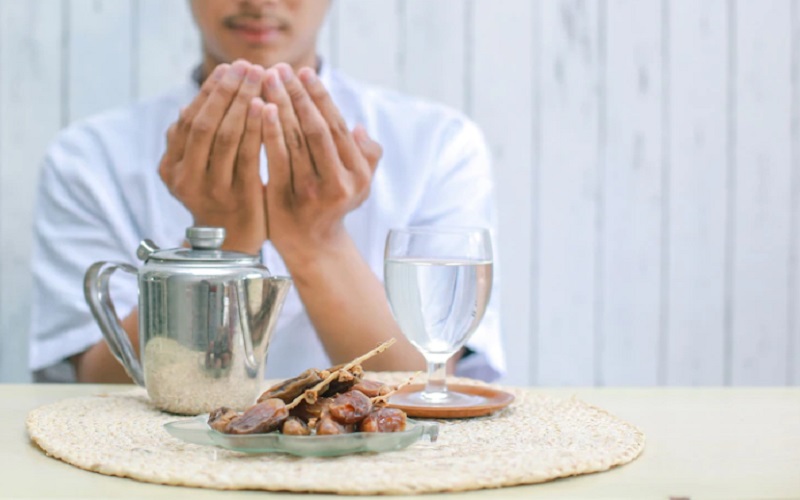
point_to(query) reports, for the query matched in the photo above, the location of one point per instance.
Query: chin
(256, 56)
(261, 54)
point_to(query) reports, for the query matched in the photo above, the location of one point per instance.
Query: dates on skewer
(293, 426)
(220, 418)
(346, 373)
(344, 383)
(350, 407)
(384, 420)
(311, 411)
(326, 402)
(371, 388)
(289, 389)
(265, 416)
(326, 426)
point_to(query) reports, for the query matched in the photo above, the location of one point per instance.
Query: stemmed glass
(438, 281)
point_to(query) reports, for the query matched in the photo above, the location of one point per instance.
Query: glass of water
(438, 281)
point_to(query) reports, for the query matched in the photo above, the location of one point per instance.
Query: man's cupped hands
(319, 169)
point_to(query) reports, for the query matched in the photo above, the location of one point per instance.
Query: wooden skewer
(310, 395)
(384, 398)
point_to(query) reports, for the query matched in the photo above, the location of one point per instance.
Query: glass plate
(196, 431)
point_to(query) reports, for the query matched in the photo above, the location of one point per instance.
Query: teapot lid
(205, 250)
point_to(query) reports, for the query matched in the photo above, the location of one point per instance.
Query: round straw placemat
(536, 439)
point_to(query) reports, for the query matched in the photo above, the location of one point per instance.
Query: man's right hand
(211, 164)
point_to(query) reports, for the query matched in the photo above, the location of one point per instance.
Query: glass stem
(436, 379)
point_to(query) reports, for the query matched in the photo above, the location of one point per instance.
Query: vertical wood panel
(759, 308)
(434, 50)
(503, 37)
(99, 56)
(794, 304)
(569, 173)
(368, 44)
(631, 212)
(168, 46)
(30, 114)
(698, 166)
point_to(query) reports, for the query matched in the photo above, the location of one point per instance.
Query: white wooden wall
(646, 157)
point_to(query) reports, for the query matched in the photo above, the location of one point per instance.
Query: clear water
(438, 303)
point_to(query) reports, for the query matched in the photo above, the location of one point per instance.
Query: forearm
(97, 365)
(345, 301)
(348, 308)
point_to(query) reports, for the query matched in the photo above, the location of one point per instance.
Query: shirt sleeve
(460, 192)
(79, 219)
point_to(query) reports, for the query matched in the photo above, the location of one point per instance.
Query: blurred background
(646, 161)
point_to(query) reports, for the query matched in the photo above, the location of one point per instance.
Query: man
(320, 213)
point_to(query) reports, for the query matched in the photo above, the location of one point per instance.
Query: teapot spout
(275, 290)
(260, 303)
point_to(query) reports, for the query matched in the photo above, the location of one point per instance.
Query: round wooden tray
(491, 400)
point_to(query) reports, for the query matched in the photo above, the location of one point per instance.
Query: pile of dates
(322, 402)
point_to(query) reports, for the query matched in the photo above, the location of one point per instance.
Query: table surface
(701, 442)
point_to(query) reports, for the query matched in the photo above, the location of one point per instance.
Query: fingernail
(308, 77)
(361, 136)
(273, 81)
(218, 72)
(255, 106)
(286, 73)
(235, 73)
(254, 75)
(362, 140)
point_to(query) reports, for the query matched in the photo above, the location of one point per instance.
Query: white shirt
(100, 195)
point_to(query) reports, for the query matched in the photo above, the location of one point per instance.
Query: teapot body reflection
(206, 317)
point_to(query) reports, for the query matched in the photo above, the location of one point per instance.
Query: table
(701, 442)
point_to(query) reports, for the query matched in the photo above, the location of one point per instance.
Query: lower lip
(258, 36)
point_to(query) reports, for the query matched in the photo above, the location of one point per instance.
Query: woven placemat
(534, 440)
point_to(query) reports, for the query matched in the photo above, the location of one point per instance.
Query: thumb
(371, 150)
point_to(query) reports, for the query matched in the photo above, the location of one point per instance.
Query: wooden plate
(492, 400)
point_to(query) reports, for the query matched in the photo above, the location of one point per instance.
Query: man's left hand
(318, 169)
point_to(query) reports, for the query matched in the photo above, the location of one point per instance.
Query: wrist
(237, 239)
(248, 247)
(308, 258)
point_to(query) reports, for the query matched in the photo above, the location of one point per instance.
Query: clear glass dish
(197, 431)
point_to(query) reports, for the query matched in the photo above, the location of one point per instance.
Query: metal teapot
(205, 321)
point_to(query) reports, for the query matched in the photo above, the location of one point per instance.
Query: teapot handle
(95, 289)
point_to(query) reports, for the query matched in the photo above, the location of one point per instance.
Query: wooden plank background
(692, 346)
(646, 161)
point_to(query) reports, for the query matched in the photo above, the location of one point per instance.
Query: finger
(205, 124)
(300, 163)
(371, 150)
(278, 165)
(371, 153)
(345, 145)
(322, 149)
(224, 149)
(170, 159)
(179, 131)
(189, 112)
(247, 161)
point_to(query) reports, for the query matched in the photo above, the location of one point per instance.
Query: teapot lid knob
(205, 238)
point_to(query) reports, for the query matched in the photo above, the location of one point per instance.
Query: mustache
(244, 18)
